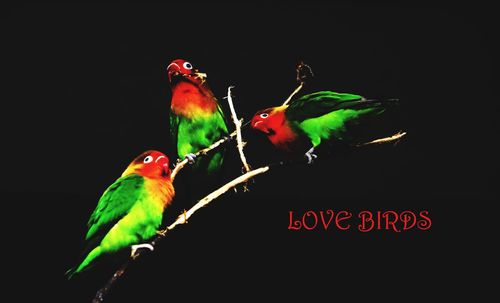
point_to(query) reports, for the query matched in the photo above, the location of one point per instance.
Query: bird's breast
(189, 101)
(160, 191)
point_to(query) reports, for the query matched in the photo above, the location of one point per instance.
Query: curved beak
(254, 125)
(164, 163)
(255, 122)
(173, 69)
(258, 126)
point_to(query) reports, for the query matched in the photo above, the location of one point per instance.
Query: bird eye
(187, 65)
(148, 159)
(264, 115)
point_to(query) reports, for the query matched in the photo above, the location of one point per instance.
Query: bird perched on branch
(130, 211)
(196, 119)
(306, 122)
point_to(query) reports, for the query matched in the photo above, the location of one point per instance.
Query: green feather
(115, 203)
(125, 215)
(194, 134)
(332, 124)
(319, 103)
(325, 114)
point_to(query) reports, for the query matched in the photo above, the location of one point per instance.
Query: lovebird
(196, 119)
(130, 211)
(306, 122)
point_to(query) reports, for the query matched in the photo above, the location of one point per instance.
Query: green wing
(325, 114)
(174, 128)
(324, 102)
(223, 122)
(191, 135)
(114, 204)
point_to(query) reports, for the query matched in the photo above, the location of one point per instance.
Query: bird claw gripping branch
(310, 156)
(191, 158)
(135, 248)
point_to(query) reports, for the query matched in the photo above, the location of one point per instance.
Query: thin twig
(237, 124)
(99, 297)
(293, 94)
(304, 71)
(394, 137)
(204, 151)
(182, 219)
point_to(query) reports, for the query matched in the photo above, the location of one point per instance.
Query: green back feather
(114, 204)
(117, 201)
(318, 104)
(331, 124)
(325, 114)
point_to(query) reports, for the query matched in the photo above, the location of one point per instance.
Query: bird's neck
(162, 189)
(282, 133)
(190, 100)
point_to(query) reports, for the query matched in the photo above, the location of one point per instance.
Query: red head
(181, 69)
(268, 120)
(273, 123)
(152, 164)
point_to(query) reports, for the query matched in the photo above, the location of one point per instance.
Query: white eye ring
(148, 159)
(264, 115)
(187, 65)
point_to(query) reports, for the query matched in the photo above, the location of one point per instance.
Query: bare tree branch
(392, 138)
(293, 93)
(237, 124)
(182, 219)
(99, 296)
(180, 164)
(304, 71)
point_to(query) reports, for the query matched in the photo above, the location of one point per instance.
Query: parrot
(196, 119)
(129, 211)
(314, 118)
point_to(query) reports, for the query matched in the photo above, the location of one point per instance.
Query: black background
(86, 91)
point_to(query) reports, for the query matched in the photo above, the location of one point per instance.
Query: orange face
(152, 164)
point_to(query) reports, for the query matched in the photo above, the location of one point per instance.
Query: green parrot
(308, 121)
(196, 119)
(130, 211)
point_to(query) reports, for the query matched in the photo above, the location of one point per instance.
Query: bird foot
(310, 156)
(191, 158)
(134, 248)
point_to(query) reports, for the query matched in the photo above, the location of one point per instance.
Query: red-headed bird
(196, 119)
(311, 119)
(131, 210)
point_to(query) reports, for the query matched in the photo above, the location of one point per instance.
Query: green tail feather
(86, 263)
(70, 273)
